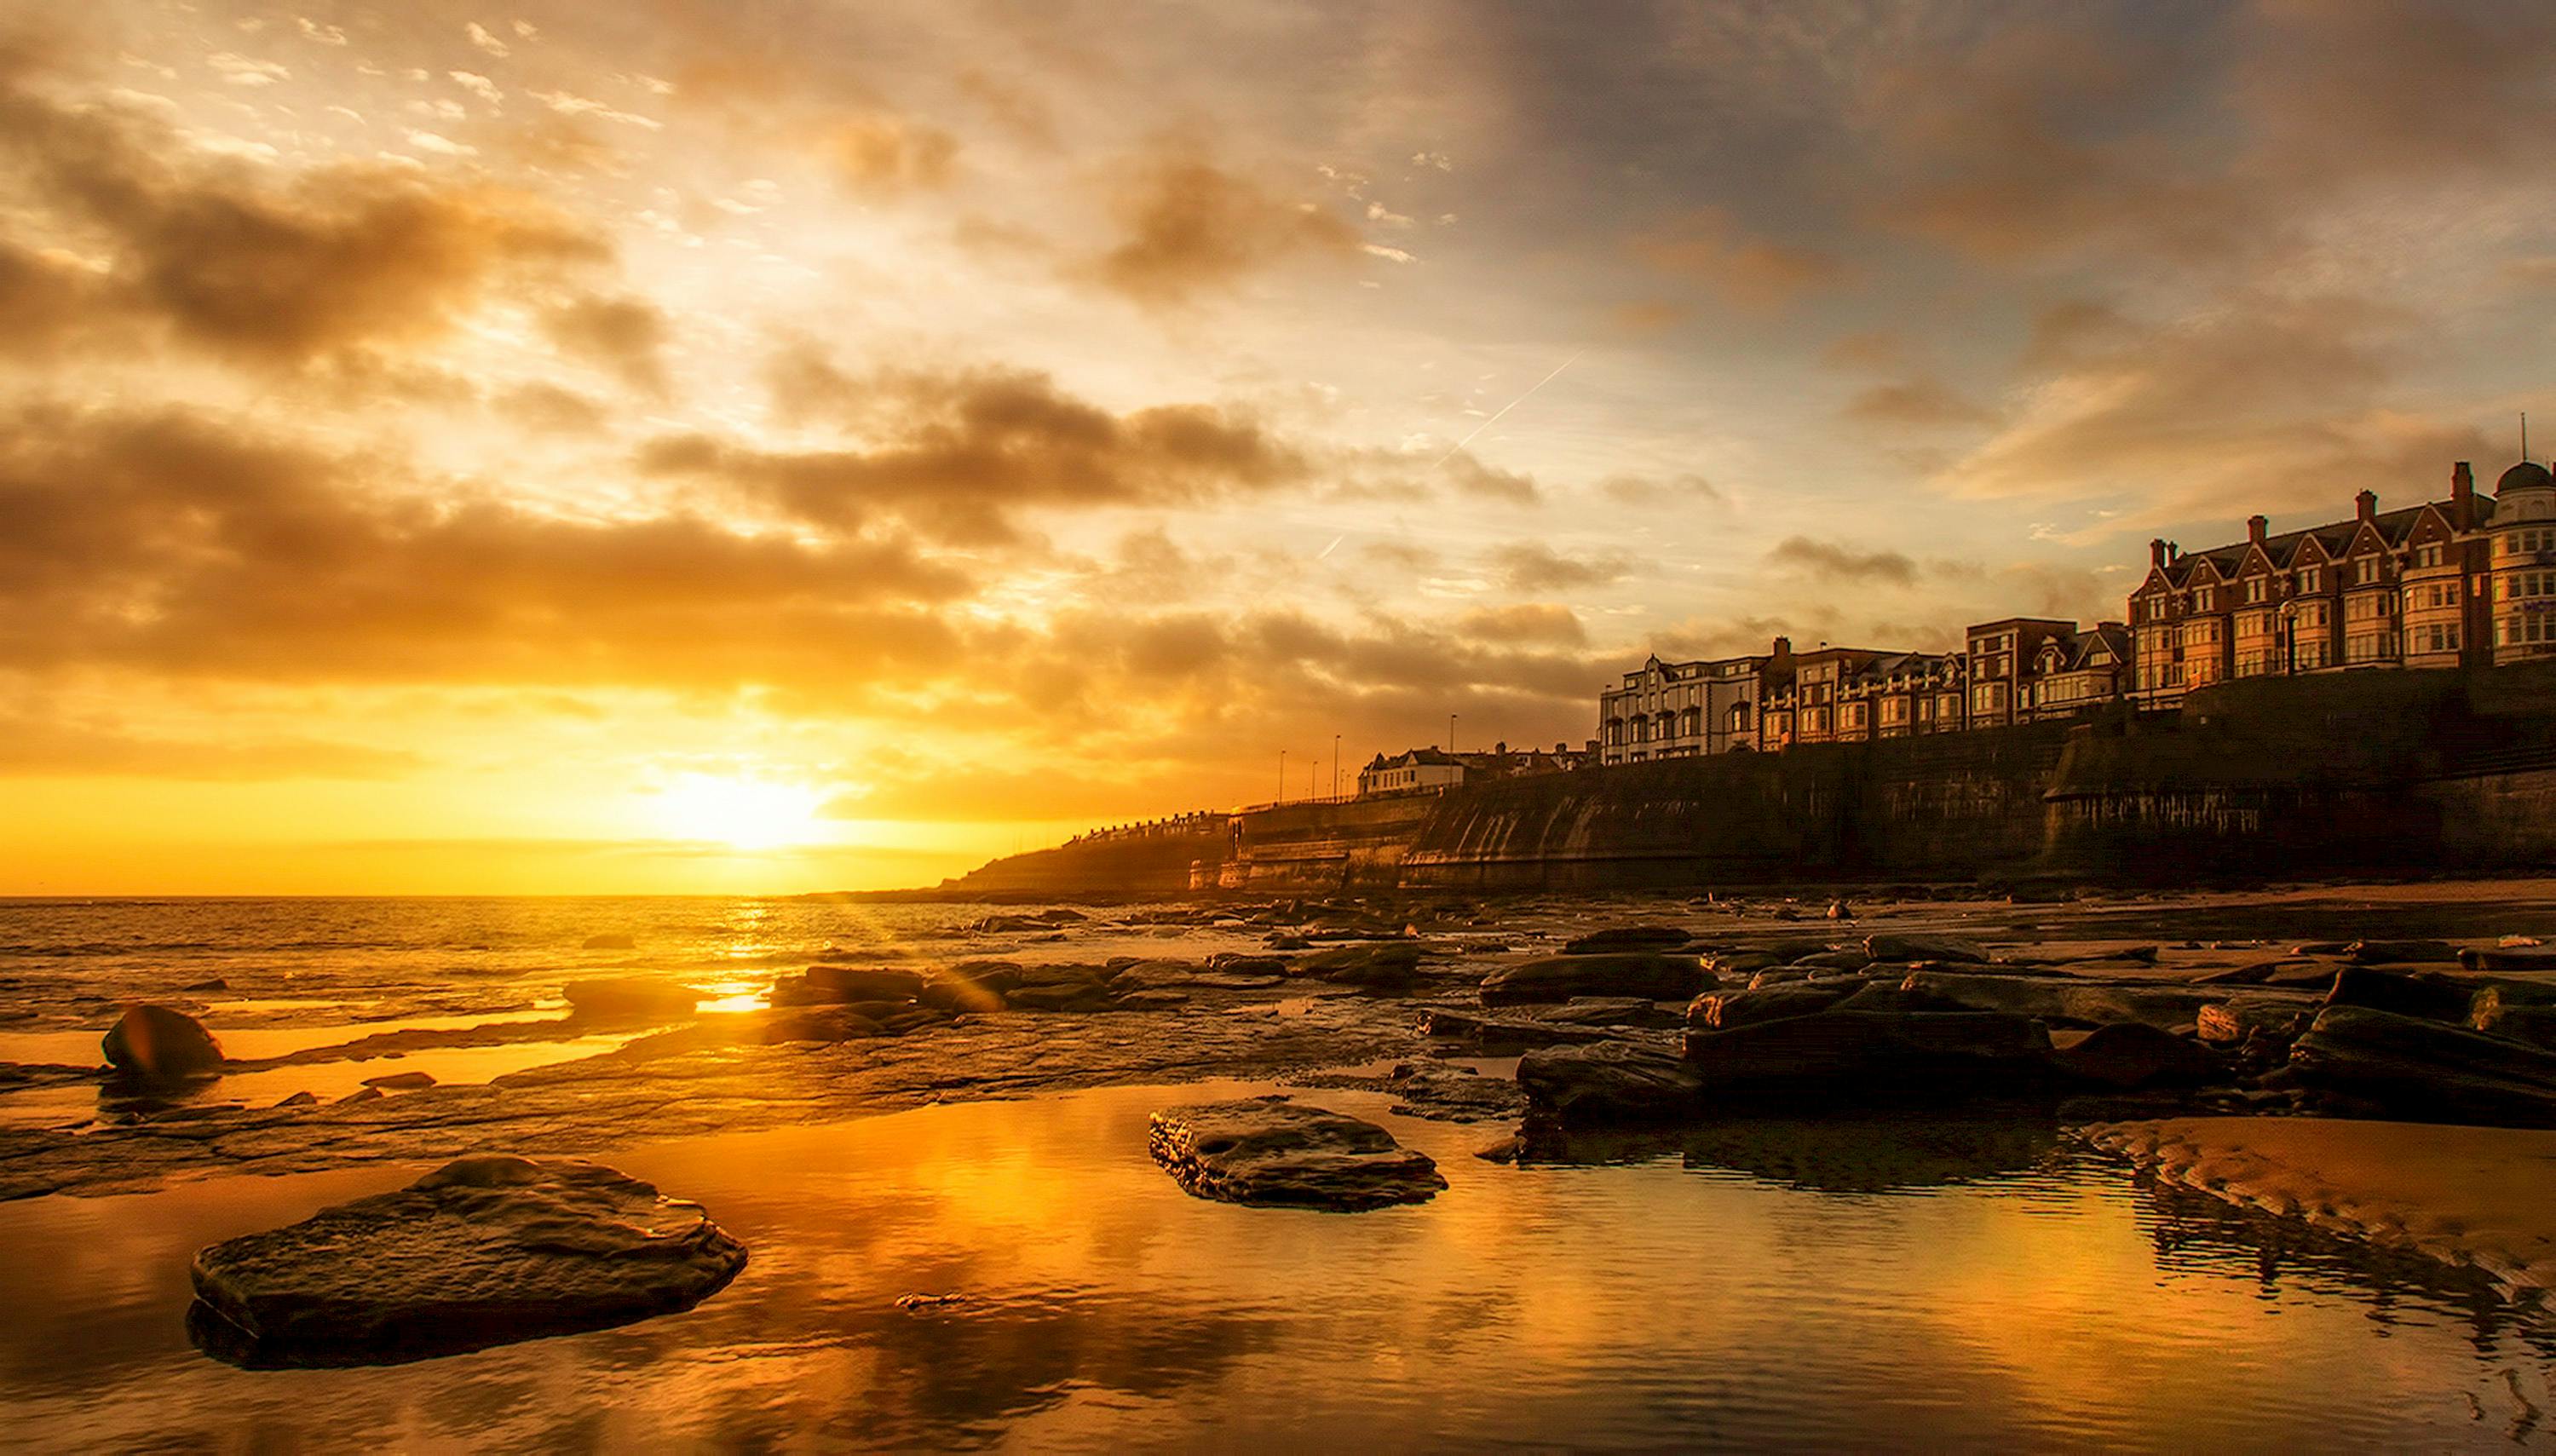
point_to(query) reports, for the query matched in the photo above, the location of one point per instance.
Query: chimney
(1783, 649)
(2255, 528)
(2156, 552)
(2461, 496)
(2367, 503)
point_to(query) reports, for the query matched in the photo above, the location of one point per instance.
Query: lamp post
(1450, 733)
(1282, 775)
(1336, 765)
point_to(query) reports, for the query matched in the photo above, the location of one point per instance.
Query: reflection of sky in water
(1647, 1302)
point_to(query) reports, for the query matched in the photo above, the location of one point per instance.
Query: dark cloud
(624, 336)
(266, 271)
(1829, 561)
(1531, 565)
(959, 454)
(163, 540)
(1188, 227)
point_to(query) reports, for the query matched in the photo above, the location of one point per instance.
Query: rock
(1289, 943)
(2517, 959)
(2240, 1018)
(1626, 938)
(2070, 1000)
(1723, 1010)
(2412, 1065)
(1452, 1094)
(2131, 1055)
(1846, 962)
(1365, 964)
(1152, 1000)
(626, 998)
(483, 1250)
(1886, 996)
(360, 1095)
(215, 983)
(1504, 1036)
(1174, 973)
(1607, 1082)
(2495, 1013)
(815, 1023)
(1560, 977)
(301, 1100)
(402, 1081)
(2430, 993)
(2400, 952)
(155, 1041)
(1608, 1011)
(1271, 1152)
(1737, 965)
(1240, 964)
(1064, 996)
(610, 941)
(837, 985)
(1864, 1055)
(1925, 948)
(1840, 910)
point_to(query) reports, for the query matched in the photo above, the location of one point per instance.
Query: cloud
(1188, 229)
(889, 153)
(230, 262)
(45, 746)
(1829, 561)
(1918, 404)
(959, 454)
(625, 337)
(2274, 400)
(1531, 565)
(1748, 273)
(552, 410)
(1525, 621)
(1631, 490)
(169, 542)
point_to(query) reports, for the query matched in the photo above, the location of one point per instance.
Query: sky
(779, 445)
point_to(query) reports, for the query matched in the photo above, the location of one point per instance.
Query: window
(2428, 556)
(1740, 717)
(2310, 579)
(2257, 588)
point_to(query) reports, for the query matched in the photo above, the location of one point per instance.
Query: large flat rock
(1268, 1152)
(483, 1250)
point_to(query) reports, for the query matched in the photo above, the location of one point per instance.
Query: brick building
(1677, 709)
(2465, 581)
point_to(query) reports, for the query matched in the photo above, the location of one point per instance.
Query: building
(2003, 660)
(2451, 583)
(1428, 770)
(2085, 670)
(1676, 710)
(1900, 696)
(1814, 708)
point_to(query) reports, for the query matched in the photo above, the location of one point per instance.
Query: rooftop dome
(2525, 473)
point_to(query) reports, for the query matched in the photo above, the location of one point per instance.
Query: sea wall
(2371, 772)
(2354, 772)
(1320, 848)
(1938, 807)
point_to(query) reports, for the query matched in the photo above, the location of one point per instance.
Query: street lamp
(1450, 733)
(1282, 775)
(1336, 765)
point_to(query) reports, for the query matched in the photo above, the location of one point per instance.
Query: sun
(742, 813)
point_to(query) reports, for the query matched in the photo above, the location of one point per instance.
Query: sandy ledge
(2480, 1197)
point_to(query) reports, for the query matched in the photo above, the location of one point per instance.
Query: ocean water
(1888, 1285)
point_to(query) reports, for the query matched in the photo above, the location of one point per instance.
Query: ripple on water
(1893, 1287)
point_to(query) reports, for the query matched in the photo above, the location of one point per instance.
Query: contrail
(1505, 409)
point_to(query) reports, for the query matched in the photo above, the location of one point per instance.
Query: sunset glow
(433, 434)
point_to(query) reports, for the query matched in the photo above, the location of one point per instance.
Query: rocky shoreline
(1557, 1024)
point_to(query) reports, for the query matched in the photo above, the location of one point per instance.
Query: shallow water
(2035, 1300)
